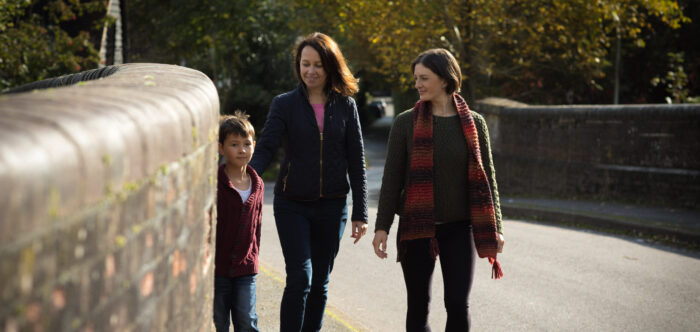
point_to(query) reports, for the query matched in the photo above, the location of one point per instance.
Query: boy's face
(237, 150)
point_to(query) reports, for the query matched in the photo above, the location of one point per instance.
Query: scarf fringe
(496, 272)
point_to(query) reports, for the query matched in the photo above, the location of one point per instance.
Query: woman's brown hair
(441, 62)
(340, 79)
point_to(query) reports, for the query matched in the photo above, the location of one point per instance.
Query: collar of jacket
(301, 89)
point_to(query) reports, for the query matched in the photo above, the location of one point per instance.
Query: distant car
(378, 108)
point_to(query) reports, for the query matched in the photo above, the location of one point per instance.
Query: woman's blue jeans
(310, 234)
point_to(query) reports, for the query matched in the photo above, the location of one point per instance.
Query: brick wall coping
(68, 147)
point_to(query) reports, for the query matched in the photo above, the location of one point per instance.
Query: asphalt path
(556, 278)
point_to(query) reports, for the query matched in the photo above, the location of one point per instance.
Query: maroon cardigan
(238, 226)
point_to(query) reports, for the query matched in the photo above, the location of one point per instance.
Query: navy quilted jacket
(315, 165)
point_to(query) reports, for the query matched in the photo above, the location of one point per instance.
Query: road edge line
(330, 313)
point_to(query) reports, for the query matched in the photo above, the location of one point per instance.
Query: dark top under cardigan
(450, 163)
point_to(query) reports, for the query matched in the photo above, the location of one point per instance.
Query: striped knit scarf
(419, 219)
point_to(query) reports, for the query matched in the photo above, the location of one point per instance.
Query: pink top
(318, 110)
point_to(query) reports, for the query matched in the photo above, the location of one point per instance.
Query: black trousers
(457, 256)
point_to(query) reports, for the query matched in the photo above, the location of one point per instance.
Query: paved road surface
(556, 279)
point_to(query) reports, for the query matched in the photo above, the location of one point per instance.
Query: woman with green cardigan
(439, 178)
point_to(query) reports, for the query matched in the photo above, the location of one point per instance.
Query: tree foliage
(42, 39)
(243, 46)
(536, 51)
(675, 82)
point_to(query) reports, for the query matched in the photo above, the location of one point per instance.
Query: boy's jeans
(235, 298)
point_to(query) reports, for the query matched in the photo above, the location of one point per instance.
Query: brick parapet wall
(644, 154)
(107, 193)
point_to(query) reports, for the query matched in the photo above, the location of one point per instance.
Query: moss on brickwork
(105, 265)
(194, 137)
(54, 203)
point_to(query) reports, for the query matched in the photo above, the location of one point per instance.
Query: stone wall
(643, 154)
(107, 194)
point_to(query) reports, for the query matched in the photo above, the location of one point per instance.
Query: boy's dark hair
(441, 62)
(236, 124)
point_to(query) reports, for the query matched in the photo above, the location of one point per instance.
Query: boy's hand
(359, 228)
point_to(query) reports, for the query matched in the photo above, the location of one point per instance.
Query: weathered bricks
(643, 154)
(107, 191)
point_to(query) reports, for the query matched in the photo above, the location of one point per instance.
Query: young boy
(239, 201)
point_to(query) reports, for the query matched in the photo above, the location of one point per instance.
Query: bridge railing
(107, 195)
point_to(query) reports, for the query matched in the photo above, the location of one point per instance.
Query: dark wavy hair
(339, 78)
(236, 124)
(441, 62)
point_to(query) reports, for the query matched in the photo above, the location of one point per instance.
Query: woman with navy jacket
(319, 128)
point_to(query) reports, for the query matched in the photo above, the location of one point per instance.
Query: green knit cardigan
(397, 167)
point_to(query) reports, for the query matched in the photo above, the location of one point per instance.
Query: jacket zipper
(320, 158)
(321, 164)
(284, 184)
(320, 191)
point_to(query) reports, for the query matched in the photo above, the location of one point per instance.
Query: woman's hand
(380, 241)
(359, 229)
(501, 242)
